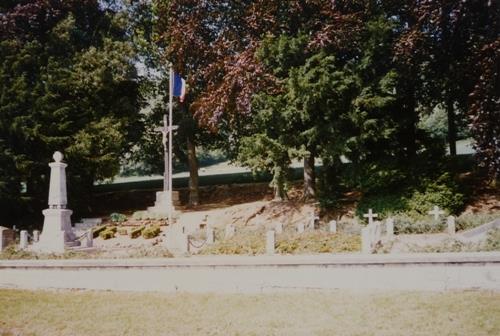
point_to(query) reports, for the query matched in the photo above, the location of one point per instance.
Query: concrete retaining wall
(433, 272)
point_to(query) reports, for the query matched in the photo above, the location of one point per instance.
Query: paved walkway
(233, 274)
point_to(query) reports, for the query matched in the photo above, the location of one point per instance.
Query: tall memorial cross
(436, 212)
(165, 130)
(370, 215)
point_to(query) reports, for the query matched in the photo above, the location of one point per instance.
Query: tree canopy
(69, 83)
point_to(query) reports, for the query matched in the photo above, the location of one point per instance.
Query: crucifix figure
(436, 212)
(370, 215)
(165, 130)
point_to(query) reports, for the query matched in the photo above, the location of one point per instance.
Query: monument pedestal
(162, 203)
(57, 232)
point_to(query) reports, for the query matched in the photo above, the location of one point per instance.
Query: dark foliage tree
(69, 83)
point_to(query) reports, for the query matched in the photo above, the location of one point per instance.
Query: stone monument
(57, 232)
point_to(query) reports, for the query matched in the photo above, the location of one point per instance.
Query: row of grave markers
(371, 235)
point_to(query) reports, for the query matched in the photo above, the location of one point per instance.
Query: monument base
(161, 207)
(57, 233)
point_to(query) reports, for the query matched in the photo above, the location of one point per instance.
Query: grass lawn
(314, 313)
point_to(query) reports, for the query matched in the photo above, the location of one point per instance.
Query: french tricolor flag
(179, 87)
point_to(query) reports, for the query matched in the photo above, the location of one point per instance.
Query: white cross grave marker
(436, 212)
(370, 215)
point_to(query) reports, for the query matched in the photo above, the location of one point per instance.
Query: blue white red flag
(179, 87)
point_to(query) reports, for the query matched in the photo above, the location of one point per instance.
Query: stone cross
(270, 242)
(436, 212)
(165, 130)
(370, 215)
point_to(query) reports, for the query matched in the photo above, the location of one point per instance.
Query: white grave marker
(389, 227)
(23, 241)
(370, 215)
(436, 212)
(333, 226)
(270, 242)
(210, 235)
(230, 231)
(450, 221)
(278, 227)
(36, 236)
(300, 228)
(366, 239)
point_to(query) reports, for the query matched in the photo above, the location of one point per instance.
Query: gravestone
(389, 227)
(333, 226)
(436, 212)
(36, 236)
(300, 228)
(278, 227)
(370, 215)
(270, 242)
(377, 234)
(7, 237)
(313, 220)
(450, 221)
(88, 239)
(23, 240)
(176, 241)
(230, 231)
(57, 231)
(210, 235)
(366, 239)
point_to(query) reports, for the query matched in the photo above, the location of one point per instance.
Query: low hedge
(136, 232)
(151, 232)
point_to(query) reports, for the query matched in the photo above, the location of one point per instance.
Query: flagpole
(170, 124)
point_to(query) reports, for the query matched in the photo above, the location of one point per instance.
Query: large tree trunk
(193, 173)
(452, 128)
(309, 177)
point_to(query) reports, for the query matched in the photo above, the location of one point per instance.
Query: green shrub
(382, 204)
(136, 232)
(117, 217)
(493, 241)
(378, 179)
(108, 233)
(414, 223)
(140, 215)
(469, 221)
(443, 192)
(122, 231)
(245, 242)
(97, 230)
(151, 232)
(318, 242)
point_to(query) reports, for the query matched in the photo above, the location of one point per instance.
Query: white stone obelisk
(57, 232)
